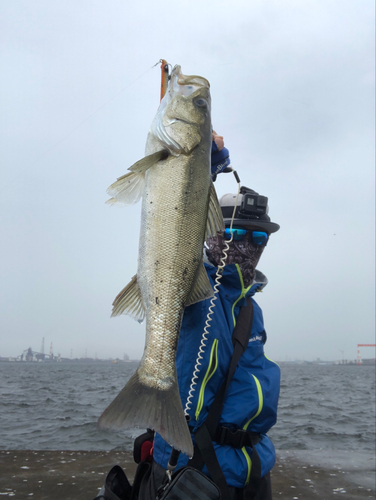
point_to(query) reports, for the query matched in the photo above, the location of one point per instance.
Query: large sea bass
(179, 211)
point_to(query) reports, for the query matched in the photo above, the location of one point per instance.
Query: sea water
(326, 411)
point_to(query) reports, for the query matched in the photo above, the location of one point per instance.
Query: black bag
(189, 483)
(116, 486)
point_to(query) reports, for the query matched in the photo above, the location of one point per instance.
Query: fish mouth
(186, 84)
(199, 81)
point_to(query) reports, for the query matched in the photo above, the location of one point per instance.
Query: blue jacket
(219, 159)
(252, 398)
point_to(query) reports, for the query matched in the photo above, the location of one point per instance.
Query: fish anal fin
(215, 222)
(129, 301)
(144, 164)
(202, 289)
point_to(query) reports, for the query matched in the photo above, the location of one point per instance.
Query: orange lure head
(164, 77)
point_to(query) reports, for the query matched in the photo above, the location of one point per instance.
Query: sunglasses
(238, 234)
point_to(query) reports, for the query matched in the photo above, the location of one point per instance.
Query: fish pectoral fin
(114, 202)
(129, 301)
(127, 189)
(141, 166)
(202, 289)
(215, 222)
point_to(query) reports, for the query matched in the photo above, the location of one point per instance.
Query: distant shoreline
(67, 360)
(366, 362)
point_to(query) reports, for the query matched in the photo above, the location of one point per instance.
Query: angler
(231, 442)
(222, 379)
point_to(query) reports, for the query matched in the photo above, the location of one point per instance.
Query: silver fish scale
(173, 222)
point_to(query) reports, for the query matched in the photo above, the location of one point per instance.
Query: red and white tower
(358, 357)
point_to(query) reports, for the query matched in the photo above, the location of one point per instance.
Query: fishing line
(78, 126)
(209, 318)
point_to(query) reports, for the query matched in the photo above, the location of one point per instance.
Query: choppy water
(329, 407)
(56, 406)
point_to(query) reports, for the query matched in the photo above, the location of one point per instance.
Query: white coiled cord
(209, 318)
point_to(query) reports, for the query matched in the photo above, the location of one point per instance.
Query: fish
(180, 210)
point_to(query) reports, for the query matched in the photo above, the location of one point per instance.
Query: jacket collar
(232, 280)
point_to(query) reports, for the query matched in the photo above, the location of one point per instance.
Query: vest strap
(237, 438)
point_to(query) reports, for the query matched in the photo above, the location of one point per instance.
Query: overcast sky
(292, 88)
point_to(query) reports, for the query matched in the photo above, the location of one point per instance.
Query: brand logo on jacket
(256, 337)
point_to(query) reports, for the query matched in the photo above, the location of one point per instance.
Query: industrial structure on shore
(30, 355)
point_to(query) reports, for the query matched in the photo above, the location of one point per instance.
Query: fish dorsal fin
(202, 289)
(144, 164)
(128, 188)
(215, 222)
(129, 301)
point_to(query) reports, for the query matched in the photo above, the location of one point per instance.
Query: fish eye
(201, 103)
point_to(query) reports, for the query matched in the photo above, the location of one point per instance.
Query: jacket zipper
(261, 403)
(213, 363)
(243, 292)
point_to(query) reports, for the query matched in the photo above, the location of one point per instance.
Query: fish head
(183, 120)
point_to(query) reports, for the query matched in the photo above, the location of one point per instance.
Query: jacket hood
(260, 281)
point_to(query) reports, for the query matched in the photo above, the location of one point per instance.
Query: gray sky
(293, 94)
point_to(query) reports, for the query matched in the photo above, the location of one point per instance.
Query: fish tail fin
(138, 405)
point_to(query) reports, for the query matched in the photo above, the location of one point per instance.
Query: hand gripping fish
(179, 211)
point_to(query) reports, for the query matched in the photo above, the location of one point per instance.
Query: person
(202, 361)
